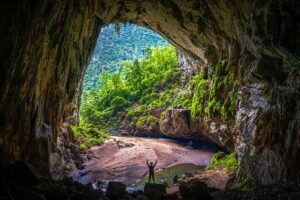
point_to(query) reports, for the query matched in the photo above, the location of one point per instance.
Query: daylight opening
(140, 104)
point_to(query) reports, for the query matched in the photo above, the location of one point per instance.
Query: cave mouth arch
(177, 145)
(54, 44)
(143, 43)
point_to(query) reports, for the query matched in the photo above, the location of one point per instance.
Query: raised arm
(155, 163)
(147, 162)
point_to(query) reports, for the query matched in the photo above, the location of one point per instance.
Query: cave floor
(124, 159)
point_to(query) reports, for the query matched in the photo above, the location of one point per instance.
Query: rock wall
(45, 46)
(178, 122)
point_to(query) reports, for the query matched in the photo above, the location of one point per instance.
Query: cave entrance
(135, 106)
(45, 47)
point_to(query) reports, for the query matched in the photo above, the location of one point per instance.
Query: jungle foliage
(144, 89)
(139, 90)
(141, 87)
(115, 44)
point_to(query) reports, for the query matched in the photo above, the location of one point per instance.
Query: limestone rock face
(189, 66)
(177, 122)
(45, 46)
(68, 155)
(44, 52)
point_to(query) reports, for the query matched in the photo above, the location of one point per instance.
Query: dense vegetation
(140, 93)
(87, 136)
(227, 162)
(133, 94)
(115, 44)
(216, 96)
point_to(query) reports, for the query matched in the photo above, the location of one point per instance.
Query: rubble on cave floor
(22, 180)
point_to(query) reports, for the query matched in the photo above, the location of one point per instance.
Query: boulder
(177, 122)
(122, 144)
(193, 190)
(155, 191)
(115, 190)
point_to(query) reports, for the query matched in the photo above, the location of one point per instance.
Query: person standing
(151, 170)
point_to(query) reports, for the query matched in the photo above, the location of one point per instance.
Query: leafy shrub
(119, 103)
(222, 82)
(88, 136)
(95, 141)
(151, 118)
(199, 91)
(76, 131)
(141, 122)
(149, 98)
(184, 99)
(220, 160)
(83, 146)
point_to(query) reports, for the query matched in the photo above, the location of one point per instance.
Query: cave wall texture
(45, 47)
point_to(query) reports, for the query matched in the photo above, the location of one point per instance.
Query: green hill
(112, 48)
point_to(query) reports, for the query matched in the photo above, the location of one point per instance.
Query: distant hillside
(112, 48)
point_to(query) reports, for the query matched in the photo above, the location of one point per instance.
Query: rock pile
(22, 180)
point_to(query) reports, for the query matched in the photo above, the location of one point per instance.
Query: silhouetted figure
(151, 170)
(175, 179)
